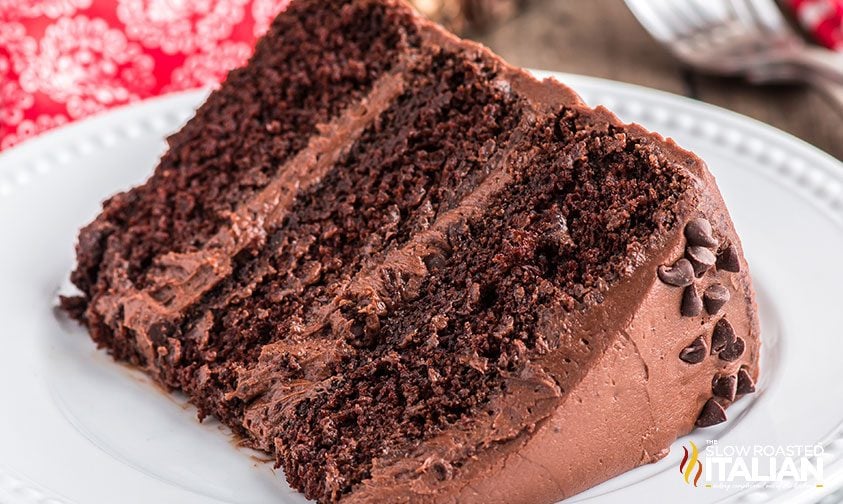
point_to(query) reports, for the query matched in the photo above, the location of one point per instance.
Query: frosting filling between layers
(180, 280)
(466, 287)
(239, 137)
(636, 398)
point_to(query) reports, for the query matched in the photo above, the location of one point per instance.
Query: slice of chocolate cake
(413, 273)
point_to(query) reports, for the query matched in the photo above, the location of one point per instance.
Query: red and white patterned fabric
(61, 60)
(823, 19)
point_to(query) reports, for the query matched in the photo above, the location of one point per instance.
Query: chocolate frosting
(634, 398)
(179, 280)
(567, 424)
(573, 417)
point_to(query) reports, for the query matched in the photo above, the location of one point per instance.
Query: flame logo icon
(689, 463)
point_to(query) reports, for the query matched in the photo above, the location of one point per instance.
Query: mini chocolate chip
(680, 274)
(714, 297)
(734, 351)
(160, 331)
(746, 385)
(727, 259)
(441, 470)
(722, 336)
(711, 414)
(435, 261)
(698, 232)
(725, 386)
(701, 258)
(695, 352)
(691, 302)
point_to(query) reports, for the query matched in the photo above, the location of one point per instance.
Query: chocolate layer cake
(413, 273)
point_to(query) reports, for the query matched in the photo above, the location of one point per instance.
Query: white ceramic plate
(77, 428)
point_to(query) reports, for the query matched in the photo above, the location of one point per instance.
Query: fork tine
(715, 12)
(651, 14)
(688, 20)
(769, 16)
(684, 11)
(743, 11)
(699, 11)
(715, 25)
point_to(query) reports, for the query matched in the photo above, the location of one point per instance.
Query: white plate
(77, 428)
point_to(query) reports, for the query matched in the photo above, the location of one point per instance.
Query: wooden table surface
(601, 38)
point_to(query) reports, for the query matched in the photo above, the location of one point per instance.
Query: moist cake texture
(413, 273)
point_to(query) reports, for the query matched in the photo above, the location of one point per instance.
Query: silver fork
(748, 38)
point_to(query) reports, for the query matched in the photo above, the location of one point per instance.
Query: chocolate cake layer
(413, 273)
(264, 115)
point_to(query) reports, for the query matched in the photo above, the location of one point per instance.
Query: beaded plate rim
(810, 173)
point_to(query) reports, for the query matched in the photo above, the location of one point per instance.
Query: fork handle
(822, 61)
(832, 90)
